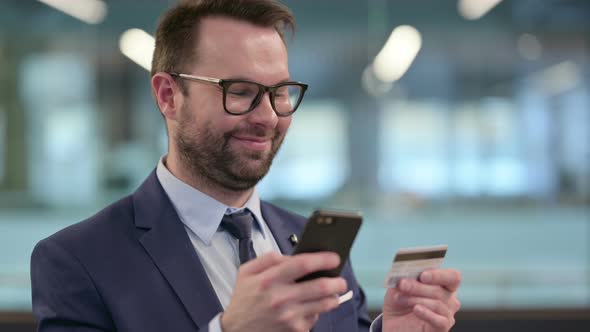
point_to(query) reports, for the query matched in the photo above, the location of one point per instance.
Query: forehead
(232, 47)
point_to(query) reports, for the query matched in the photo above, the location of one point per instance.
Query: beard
(208, 155)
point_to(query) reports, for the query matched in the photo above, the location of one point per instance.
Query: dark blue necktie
(239, 225)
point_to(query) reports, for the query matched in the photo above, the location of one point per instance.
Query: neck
(226, 196)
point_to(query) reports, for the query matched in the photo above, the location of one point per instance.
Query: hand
(427, 305)
(266, 297)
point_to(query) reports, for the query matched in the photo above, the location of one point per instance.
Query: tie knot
(238, 224)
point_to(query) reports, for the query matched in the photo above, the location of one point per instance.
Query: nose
(263, 114)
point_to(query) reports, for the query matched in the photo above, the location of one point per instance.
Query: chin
(252, 168)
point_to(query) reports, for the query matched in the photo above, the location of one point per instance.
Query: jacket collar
(169, 246)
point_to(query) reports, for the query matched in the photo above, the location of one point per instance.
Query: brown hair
(176, 35)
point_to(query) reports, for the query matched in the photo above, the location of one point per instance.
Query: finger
(436, 306)
(312, 319)
(448, 278)
(433, 319)
(393, 303)
(299, 265)
(315, 289)
(319, 306)
(415, 288)
(262, 263)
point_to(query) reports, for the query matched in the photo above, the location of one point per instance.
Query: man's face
(231, 151)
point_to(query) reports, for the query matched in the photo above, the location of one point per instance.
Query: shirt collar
(199, 212)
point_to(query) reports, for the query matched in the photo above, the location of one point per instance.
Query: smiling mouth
(254, 143)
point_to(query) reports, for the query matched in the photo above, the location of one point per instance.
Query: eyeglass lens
(242, 96)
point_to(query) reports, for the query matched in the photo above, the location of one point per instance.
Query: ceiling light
(558, 78)
(397, 54)
(89, 11)
(475, 9)
(138, 46)
(529, 47)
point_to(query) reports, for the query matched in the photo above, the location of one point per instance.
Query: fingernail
(426, 276)
(334, 256)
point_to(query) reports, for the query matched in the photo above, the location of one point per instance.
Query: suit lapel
(282, 224)
(167, 243)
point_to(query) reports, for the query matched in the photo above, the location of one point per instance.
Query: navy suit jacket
(132, 267)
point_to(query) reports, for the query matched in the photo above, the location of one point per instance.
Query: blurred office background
(481, 142)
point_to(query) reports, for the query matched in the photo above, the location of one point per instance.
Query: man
(158, 259)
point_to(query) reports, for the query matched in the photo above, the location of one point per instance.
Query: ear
(168, 95)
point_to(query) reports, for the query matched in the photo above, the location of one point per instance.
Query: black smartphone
(329, 231)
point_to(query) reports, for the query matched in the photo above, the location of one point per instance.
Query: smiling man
(194, 248)
(219, 143)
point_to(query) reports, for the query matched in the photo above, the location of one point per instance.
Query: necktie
(239, 225)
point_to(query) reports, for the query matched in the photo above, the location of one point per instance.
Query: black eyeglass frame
(262, 89)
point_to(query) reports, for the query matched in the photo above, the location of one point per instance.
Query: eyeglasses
(242, 96)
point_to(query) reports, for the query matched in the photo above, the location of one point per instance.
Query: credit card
(410, 262)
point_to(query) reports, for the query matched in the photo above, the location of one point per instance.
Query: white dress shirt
(217, 249)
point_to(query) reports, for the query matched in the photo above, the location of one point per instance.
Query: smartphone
(329, 231)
